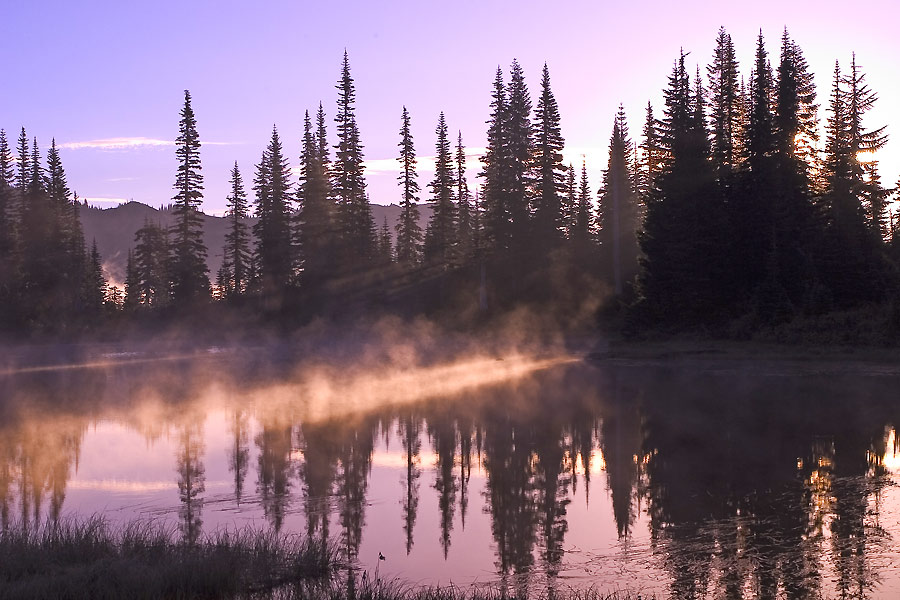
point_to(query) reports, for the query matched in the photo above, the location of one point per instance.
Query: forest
(729, 213)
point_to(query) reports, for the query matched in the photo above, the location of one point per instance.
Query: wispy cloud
(129, 143)
(424, 164)
(118, 179)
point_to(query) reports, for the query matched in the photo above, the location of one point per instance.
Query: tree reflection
(318, 473)
(443, 439)
(239, 451)
(274, 471)
(191, 480)
(409, 429)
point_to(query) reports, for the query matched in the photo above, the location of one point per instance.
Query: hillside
(114, 230)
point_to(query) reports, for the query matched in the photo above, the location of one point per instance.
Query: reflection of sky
(250, 65)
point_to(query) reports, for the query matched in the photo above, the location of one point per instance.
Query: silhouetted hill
(114, 230)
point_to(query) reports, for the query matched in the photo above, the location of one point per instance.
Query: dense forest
(728, 214)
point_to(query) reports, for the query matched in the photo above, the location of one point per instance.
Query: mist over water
(495, 464)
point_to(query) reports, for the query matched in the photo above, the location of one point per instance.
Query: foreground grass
(90, 559)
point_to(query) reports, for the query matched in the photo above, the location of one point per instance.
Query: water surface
(684, 478)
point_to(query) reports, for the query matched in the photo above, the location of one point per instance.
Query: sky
(106, 78)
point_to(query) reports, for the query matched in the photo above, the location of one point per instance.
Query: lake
(691, 477)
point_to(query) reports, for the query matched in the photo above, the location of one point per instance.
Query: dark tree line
(725, 208)
(49, 278)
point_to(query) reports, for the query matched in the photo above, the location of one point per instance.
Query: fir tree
(520, 144)
(385, 250)
(581, 237)
(549, 176)
(618, 210)
(355, 226)
(680, 275)
(440, 236)
(465, 233)
(653, 155)
(151, 265)
(7, 224)
(495, 194)
(188, 270)
(237, 240)
(132, 283)
(725, 100)
(274, 244)
(23, 174)
(316, 215)
(95, 283)
(409, 233)
(569, 202)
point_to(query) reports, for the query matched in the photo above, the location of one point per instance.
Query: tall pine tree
(274, 240)
(440, 236)
(355, 226)
(409, 233)
(188, 269)
(237, 240)
(549, 176)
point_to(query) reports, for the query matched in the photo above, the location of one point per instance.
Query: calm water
(687, 478)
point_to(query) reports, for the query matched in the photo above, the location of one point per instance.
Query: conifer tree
(549, 176)
(679, 276)
(409, 233)
(36, 180)
(23, 174)
(151, 265)
(237, 239)
(495, 190)
(188, 270)
(440, 235)
(618, 210)
(725, 100)
(132, 283)
(355, 226)
(581, 238)
(653, 155)
(385, 250)
(569, 202)
(7, 223)
(520, 143)
(316, 215)
(95, 283)
(274, 244)
(465, 233)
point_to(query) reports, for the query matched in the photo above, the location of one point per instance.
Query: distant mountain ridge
(114, 230)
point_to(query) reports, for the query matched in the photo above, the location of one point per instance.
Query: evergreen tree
(355, 226)
(653, 155)
(132, 283)
(618, 210)
(409, 233)
(549, 177)
(440, 235)
(385, 250)
(863, 145)
(569, 202)
(850, 255)
(274, 244)
(7, 226)
(188, 270)
(725, 101)
(520, 144)
(23, 174)
(796, 131)
(494, 199)
(465, 233)
(680, 278)
(237, 239)
(581, 237)
(151, 265)
(95, 283)
(316, 215)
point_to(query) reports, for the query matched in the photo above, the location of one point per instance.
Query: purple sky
(102, 70)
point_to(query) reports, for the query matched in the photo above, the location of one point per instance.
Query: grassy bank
(91, 559)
